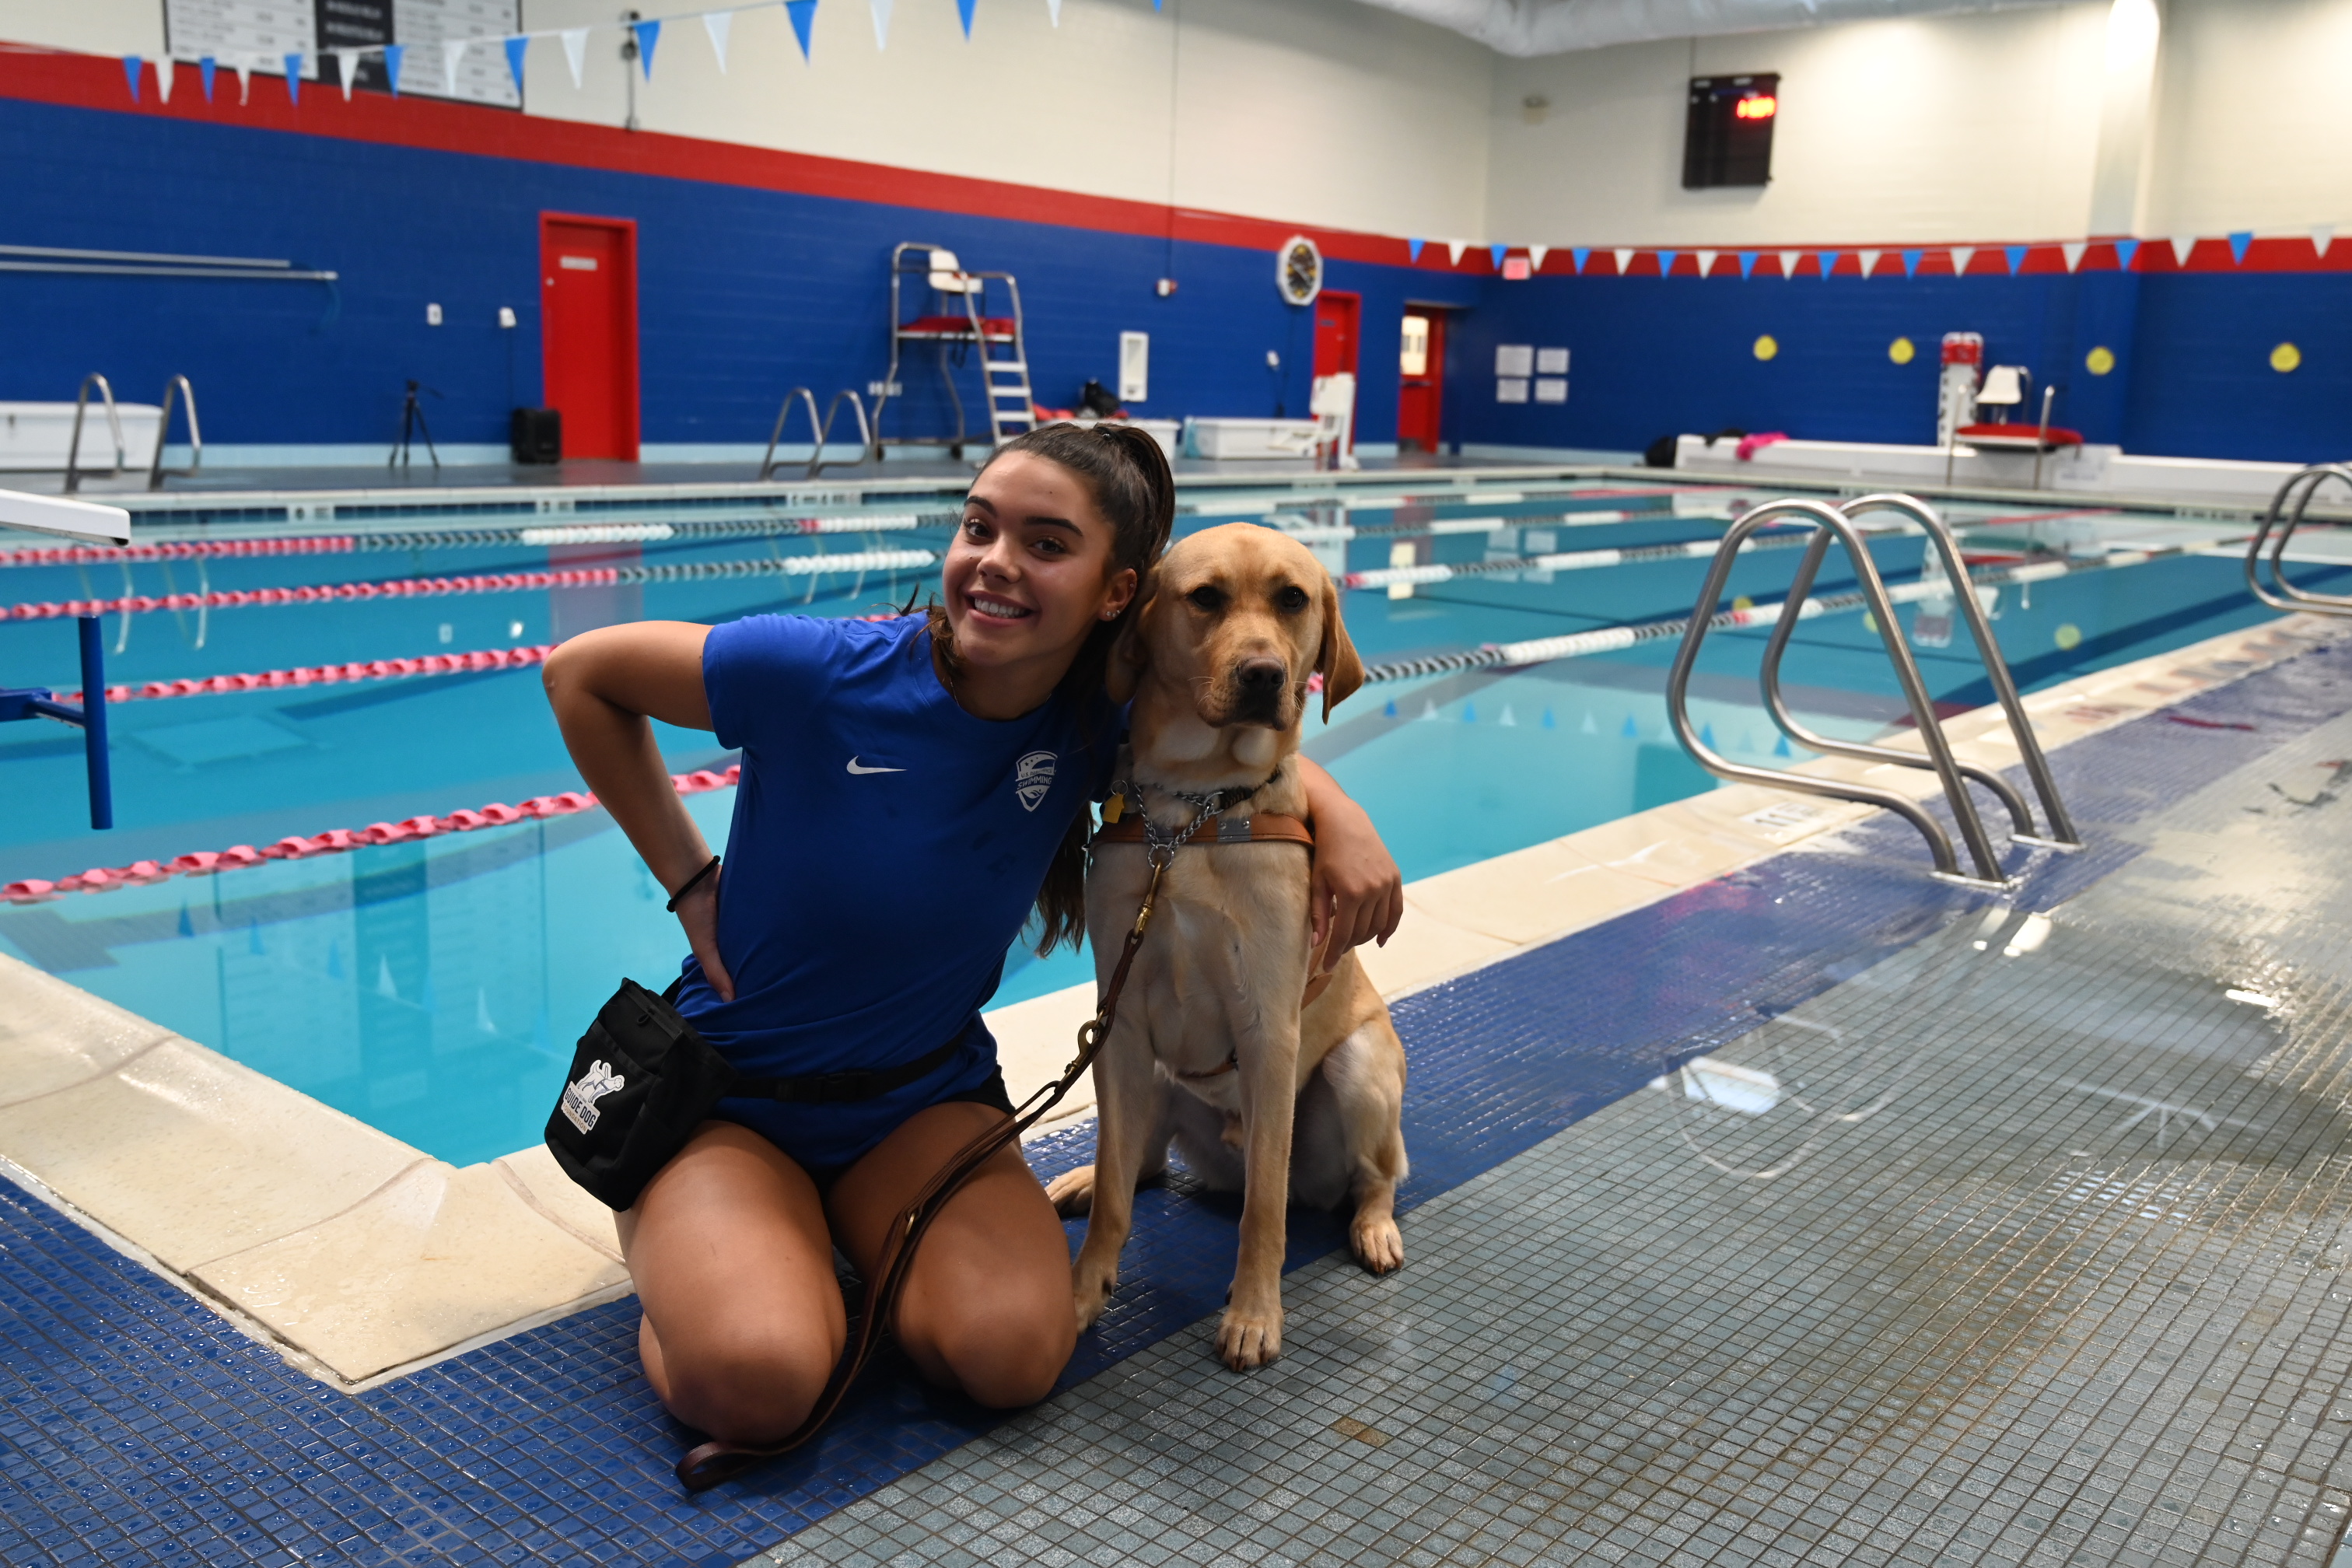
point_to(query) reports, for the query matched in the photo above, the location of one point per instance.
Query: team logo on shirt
(1033, 775)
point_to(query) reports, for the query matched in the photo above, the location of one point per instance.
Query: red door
(1336, 319)
(1421, 391)
(588, 325)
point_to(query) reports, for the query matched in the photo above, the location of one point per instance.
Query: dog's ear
(1130, 654)
(1343, 672)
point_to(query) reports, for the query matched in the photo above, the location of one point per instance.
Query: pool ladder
(1836, 522)
(820, 430)
(2287, 507)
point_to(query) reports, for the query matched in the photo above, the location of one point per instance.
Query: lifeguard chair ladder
(961, 317)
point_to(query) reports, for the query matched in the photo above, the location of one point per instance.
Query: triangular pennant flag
(294, 78)
(1911, 259)
(244, 82)
(719, 24)
(516, 48)
(881, 9)
(1453, 249)
(1054, 10)
(1625, 255)
(2182, 244)
(452, 51)
(1581, 255)
(2073, 251)
(393, 55)
(575, 51)
(2126, 249)
(2322, 235)
(206, 67)
(1412, 248)
(347, 69)
(648, 35)
(2239, 241)
(164, 79)
(1962, 256)
(965, 8)
(1535, 254)
(1789, 261)
(1706, 259)
(1870, 261)
(2016, 254)
(1747, 260)
(1667, 261)
(1498, 251)
(803, 16)
(130, 64)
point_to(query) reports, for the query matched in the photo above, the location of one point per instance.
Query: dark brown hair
(1132, 486)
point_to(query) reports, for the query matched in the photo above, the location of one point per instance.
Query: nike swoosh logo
(854, 768)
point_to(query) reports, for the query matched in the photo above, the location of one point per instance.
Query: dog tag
(1113, 809)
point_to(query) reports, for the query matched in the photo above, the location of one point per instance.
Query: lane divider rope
(328, 674)
(861, 562)
(337, 841)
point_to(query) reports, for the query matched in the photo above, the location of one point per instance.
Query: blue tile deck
(138, 1425)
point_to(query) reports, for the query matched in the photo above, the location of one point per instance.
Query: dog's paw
(1376, 1245)
(1090, 1289)
(1073, 1192)
(1249, 1340)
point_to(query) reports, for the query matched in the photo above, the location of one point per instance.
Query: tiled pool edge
(362, 1259)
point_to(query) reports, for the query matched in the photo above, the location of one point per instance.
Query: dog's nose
(1261, 676)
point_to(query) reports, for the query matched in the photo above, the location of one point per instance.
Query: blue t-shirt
(886, 849)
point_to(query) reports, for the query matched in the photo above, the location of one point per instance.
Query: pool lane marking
(437, 538)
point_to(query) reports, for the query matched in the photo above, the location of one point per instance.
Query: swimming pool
(432, 988)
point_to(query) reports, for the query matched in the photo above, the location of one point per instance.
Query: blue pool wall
(744, 291)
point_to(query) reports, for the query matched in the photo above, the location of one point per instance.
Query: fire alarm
(1164, 288)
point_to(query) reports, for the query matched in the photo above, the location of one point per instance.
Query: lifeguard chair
(960, 320)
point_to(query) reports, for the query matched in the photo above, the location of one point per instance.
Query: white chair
(1332, 402)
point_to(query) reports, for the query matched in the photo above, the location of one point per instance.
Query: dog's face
(1239, 617)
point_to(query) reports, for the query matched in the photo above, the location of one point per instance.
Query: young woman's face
(1029, 573)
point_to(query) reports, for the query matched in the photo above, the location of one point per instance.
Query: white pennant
(1962, 256)
(1706, 261)
(1453, 249)
(1053, 9)
(163, 87)
(716, 23)
(575, 51)
(881, 9)
(2073, 251)
(452, 52)
(1625, 255)
(2182, 244)
(1789, 262)
(1870, 261)
(2322, 235)
(347, 67)
(1535, 253)
(244, 81)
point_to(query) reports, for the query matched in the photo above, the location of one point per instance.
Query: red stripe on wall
(86, 81)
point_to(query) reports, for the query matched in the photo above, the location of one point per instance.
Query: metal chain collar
(1160, 844)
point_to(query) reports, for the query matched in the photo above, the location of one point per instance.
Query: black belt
(841, 1087)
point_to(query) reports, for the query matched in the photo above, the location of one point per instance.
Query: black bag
(641, 1082)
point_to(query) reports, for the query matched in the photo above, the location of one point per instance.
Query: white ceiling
(1525, 28)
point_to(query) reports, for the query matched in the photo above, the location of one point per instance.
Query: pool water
(433, 989)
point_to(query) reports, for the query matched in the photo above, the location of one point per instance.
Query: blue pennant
(1747, 262)
(515, 47)
(2239, 244)
(1390, 712)
(1548, 721)
(1911, 262)
(803, 16)
(1581, 254)
(1631, 731)
(392, 54)
(1469, 712)
(1497, 252)
(294, 78)
(130, 64)
(965, 8)
(2126, 249)
(209, 65)
(2016, 254)
(1780, 748)
(1707, 736)
(648, 35)
(1413, 247)
(1667, 261)
(187, 927)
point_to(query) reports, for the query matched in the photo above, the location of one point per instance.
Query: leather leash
(709, 1464)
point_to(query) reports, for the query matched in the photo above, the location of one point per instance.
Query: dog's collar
(1161, 844)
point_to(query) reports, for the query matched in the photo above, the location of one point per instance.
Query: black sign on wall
(1727, 134)
(355, 24)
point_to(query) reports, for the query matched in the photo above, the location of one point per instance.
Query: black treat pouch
(641, 1082)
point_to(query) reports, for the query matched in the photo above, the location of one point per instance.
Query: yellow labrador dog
(1287, 1093)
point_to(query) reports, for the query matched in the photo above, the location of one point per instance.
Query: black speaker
(537, 435)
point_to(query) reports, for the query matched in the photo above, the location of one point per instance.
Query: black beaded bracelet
(689, 885)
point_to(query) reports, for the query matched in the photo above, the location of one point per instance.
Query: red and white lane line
(328, 674)
(335, 841)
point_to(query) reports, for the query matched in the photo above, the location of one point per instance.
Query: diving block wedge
(85, 520)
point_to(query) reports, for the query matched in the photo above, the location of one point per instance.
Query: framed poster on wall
(259, 34)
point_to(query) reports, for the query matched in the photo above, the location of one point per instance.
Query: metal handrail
(113, 424)
(1836, 522)
(821, 429)
(2288, 597)
(176, 387)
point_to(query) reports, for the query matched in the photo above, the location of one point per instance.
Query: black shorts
(992, 1094)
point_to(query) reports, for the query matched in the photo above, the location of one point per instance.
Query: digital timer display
(1727, 130)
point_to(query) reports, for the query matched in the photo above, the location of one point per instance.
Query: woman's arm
(604, 686)
(1358, 894)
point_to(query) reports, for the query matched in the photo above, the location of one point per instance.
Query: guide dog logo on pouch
(1033, 775)
(580, 1099)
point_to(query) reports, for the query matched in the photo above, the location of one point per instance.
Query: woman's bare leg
(733, 1264)
(987, 1308)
